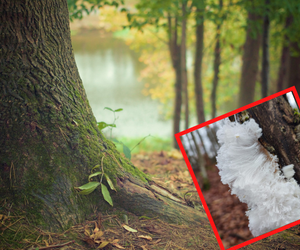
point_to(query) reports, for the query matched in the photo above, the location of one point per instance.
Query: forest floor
(170, 170)
(122, 230)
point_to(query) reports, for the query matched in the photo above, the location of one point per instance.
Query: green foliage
(103, 125)
(106, 194)
(151, 144)
(92, 185)
(77, 8)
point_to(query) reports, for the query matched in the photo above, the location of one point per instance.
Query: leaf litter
(110, 231)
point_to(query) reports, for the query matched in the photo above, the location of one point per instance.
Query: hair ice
(253, 174)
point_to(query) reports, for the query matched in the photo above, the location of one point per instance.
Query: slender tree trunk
(282, 73)
(293, 73)
(175, 55)
(49, 140)
(198, 64)
(265, 49)
(201, 163)
(250, 62)
(184, 76)
(217, 63)
(284, 60)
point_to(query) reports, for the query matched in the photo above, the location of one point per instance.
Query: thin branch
(58, 245)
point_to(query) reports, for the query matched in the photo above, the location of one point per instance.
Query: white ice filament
(253, 174)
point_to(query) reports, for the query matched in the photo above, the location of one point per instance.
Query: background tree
(250, 60)
(265, 51)
(199, 18)
(217, 62)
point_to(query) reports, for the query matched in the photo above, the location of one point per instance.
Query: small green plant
(103, 125)
(92, 185)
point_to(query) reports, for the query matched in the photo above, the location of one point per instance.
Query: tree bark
(184, 77)
(250, 63)
(265, 55)
(276, 119)
(198, 63)
(217, 63)
(49, 139)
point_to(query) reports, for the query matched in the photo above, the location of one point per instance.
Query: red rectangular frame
(177, 136)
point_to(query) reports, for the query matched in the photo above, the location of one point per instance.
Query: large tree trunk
(49, 139)
(198, 62)
(250, 63)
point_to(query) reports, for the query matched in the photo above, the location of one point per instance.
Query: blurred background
(176, 63)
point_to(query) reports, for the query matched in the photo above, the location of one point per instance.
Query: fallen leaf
(129, 228)
(96, 228)
(146, 237)
(117, 245)
(98, 235)
(103, 244)
(144, 248)
(155, 242)
(87, 232)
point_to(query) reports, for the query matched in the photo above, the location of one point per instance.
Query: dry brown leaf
(146, 237)
(144, 247)
(129, 229)
(87, 232)
(98, 235)
(96, 228)
(155, 242)
(103, 244)
(46, 243)
(117, 245)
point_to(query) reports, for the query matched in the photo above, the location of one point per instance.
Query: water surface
(110, 72)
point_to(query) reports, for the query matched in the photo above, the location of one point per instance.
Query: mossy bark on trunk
(49, 139)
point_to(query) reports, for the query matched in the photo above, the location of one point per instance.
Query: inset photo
(246, 167)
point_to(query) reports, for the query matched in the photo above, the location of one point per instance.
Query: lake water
(110, 71)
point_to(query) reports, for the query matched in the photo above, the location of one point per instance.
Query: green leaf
(143, 217)
(97, 166)
(111, 185)
(89, 187)
(106, 194)
(103, 125)
(126, 152)
(109, 109)
(115, 140)
(118, 110)
(94, 174)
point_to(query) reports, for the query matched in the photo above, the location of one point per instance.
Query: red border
(177, 136)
